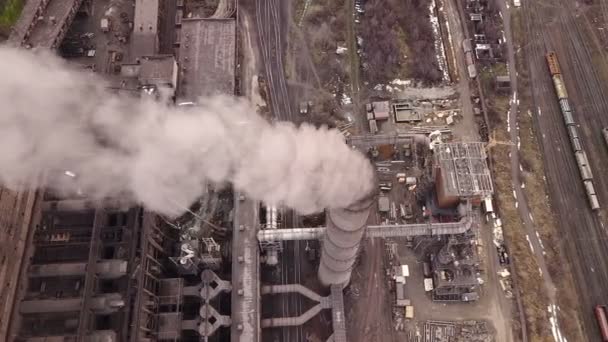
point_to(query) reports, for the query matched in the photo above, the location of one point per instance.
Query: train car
(576, 144)
(568, 119)
(602, 321)
(583, 165)
(564, 105)
(572, 132)
(560, 87)
(605, 135)
(553, 63)
(591, 195)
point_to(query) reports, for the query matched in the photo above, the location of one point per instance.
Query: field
(534, 300)
(397, 42)
(9, 13)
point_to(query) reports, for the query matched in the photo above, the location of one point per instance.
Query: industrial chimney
(345, 229)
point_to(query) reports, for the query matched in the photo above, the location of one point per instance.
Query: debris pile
(465, 331)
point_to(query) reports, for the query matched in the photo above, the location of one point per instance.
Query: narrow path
(516, 174)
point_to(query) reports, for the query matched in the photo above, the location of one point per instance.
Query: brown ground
(533, 300)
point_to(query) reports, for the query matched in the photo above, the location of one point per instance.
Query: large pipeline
(401, 230)
(292, 321)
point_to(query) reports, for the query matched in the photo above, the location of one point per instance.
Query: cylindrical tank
(602, 321)
(345, 229)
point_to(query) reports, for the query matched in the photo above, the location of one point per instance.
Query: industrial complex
(464, 236)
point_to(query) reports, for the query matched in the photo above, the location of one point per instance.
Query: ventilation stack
(345, 229)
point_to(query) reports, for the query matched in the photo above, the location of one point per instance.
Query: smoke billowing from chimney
(54, 119)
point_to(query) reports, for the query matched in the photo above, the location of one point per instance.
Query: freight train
(575, 140)
(602, 321)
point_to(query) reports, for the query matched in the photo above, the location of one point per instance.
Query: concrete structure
(81, 255)
(245, 273)
(144, 40)
(383, 204)
(104, 269)
(363, 142)
(159, 70)
(405, 112)
(338, 314)
(206, 58)
(345, 229)
(44, 23)
(398, 230)
(381, 110)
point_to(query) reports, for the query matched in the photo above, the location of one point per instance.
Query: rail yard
(442, 242)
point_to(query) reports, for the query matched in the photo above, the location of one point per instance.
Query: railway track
(553, 26)
(270, 32)
(268, 21)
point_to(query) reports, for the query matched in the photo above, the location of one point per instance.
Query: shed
(400, 291)
(466, 45)
(503, 82)
(383, 204)
(381, 110)
(373, 126)
(475, 16)
(402, 270)
(470, 297)
(409, 312)
(405, 112)
(428, 284)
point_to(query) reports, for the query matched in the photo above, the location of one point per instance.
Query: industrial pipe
(292, 321)
(291, 288)
(290, 234)
(398, 230)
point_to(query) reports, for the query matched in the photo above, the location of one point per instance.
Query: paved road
(551, 25)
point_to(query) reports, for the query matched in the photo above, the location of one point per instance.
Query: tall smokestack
(345, 229)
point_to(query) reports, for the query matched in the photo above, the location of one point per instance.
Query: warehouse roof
(464, 169)
(207, 58)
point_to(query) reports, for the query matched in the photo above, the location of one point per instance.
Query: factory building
(88, 271)
(461, 173)
(152, 75)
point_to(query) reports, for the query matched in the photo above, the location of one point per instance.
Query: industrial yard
(475, 128)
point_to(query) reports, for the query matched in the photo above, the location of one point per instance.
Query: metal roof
(464, 169)
(207, 58)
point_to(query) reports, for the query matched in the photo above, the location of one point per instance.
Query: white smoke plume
(54, 119)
